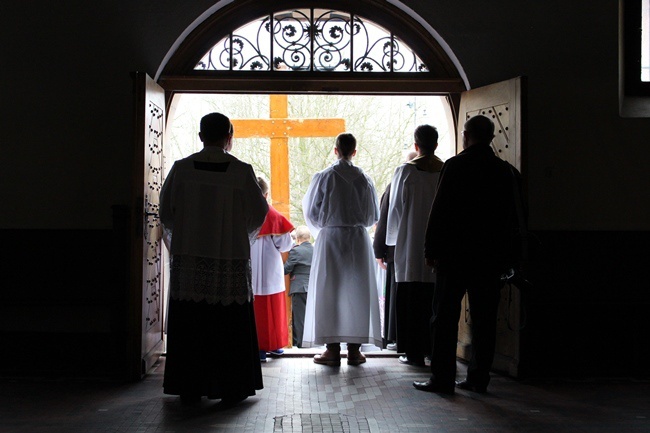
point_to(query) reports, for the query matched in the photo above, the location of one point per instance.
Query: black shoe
(469, 386)
(431, 386)
(404, 360)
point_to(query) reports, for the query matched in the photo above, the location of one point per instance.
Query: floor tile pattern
(300, 396)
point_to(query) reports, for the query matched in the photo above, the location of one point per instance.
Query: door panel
(145, 307)
(501, 102)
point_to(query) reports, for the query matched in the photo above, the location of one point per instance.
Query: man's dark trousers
(483, 287)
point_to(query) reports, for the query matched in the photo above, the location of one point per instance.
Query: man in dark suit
(470, 242)
(298, 265)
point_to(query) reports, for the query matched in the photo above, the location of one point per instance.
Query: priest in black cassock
(211, 208)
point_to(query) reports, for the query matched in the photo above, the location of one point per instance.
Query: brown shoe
(355, 357)
(329, 357)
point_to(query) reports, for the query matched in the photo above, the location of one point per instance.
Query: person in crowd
(343, 305)
(274, 238)
(211, 209)
(413, 188)
(384, 255)
(470, 242)
(298, 266)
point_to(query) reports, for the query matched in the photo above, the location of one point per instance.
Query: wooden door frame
(310, 83)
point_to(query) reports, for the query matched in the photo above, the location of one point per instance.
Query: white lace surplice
(195, 279)
(210, 213)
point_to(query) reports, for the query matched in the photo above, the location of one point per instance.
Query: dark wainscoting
(63, 303)
(588, 312)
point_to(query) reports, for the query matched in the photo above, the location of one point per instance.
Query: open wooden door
(145, 299)
(503, 103)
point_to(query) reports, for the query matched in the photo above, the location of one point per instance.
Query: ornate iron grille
(311, 40)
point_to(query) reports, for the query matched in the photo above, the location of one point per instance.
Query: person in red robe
(273, 239)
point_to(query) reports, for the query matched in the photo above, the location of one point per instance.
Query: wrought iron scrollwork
(332, 41)
(292, 41)
(312, 40)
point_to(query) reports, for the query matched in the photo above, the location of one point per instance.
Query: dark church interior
(75, 355)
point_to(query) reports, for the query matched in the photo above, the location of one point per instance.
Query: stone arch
(177, 73)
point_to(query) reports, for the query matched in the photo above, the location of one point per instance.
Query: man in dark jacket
(470, 242)
(298, 265)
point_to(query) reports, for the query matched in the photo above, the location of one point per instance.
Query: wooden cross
(279, 128)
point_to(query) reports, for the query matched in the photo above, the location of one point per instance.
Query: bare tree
(383, 126)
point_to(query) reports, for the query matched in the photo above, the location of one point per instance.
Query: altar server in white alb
(273, 239)
(413, 189)
(213, 208)
(343, 305)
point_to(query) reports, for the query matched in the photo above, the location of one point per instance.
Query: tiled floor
(300, 396)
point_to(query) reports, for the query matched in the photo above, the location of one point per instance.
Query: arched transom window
(311, 39)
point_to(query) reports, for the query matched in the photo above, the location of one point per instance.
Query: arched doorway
(181, 75)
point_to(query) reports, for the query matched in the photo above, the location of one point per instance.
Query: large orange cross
(279, 128)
